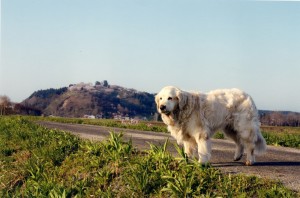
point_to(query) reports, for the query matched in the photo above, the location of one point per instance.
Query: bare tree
(4, 104)
(292, 119)
(281, 119)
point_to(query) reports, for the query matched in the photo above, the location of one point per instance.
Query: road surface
(277, 163)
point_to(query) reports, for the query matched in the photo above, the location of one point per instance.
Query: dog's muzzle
(163, 109)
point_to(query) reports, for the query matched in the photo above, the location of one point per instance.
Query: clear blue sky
(145, 45)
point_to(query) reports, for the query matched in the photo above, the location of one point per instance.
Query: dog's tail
(260, 144)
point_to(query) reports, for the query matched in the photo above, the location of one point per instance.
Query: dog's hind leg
(239, 149)
(250, 153)
(248, 138)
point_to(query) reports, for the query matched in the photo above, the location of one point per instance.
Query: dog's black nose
(162, 107)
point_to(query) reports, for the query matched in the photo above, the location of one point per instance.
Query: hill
(110, 101)
(101, 100)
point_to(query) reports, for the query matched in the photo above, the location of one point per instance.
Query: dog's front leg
(190, 148)
(204, 148)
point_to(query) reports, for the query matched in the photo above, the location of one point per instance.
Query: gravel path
(277, 163)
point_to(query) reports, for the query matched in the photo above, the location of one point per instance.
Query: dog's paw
(249, 163)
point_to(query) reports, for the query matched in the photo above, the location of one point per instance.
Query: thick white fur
(192, 118)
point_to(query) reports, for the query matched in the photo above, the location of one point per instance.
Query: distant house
(99, 116)
(89, 116)
(81, 86)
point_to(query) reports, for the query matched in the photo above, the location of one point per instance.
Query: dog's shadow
(257, 164)
(287, 163)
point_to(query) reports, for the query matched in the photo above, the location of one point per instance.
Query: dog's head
(169, 99)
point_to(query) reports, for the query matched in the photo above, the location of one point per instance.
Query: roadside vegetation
(125, 124)
(277, 136)
(282, 136)
(39, 162)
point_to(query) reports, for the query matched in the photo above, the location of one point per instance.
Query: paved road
(278, 163)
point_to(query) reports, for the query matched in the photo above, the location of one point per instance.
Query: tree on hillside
(47, 93)
(97, 83)
(4, 104)
(105, 83)
(26, 110)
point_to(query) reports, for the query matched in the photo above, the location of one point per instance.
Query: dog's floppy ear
(182, 98)
(157, 101)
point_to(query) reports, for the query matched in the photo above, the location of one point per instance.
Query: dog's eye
(160, 98)
(169, 98)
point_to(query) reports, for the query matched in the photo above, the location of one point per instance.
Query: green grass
(38, 162)
(282, 136)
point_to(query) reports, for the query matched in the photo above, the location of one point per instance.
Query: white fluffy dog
(192, 119)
